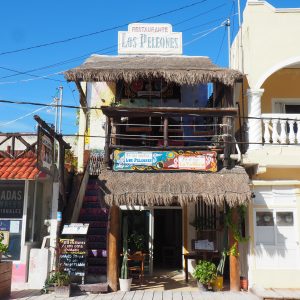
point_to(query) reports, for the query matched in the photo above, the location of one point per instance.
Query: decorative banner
(145, 38)
(165, 160)
(11, 199)
(45, 151)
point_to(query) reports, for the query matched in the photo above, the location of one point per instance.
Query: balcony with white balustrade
(274, 141)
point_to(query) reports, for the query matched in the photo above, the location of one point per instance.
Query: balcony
(168, 129)
(281, 129)
(274, 142)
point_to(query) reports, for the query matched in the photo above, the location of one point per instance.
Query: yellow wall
(279, 174)
(282, 84)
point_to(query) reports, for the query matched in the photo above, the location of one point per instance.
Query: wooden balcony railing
(168, 128)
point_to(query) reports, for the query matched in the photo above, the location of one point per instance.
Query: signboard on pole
(144, 38)
(45, 151)
(165, 161)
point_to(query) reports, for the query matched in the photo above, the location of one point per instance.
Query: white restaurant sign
(144, 38)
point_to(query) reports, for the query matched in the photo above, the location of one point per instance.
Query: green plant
(124, 268)
(220, 268)
(205, 272)
(236, 229)
(58, 278)
(3, 247)
(136, 241)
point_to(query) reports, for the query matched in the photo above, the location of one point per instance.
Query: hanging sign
(144, 38)
(165, 160)
(45, 151)
(11, 199)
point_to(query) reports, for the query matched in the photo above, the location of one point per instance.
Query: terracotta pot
(244, 283)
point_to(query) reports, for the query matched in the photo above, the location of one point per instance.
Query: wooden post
(166, 123)
(113, 251)
(107, 141)
(234, 263)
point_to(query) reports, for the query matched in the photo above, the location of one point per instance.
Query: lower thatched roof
(152, 189)
(179, 69)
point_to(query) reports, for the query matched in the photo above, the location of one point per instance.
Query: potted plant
(61, 282)
(3, 246)
(205, 272)
(218, 283)
(136, 242)
(125, 281)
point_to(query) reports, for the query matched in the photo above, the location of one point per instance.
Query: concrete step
(88, 198)
(95, 288)
(96, 238)
(93, 211)
(97, 261)
(96, 245)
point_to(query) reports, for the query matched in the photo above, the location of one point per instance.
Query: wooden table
(199, 254)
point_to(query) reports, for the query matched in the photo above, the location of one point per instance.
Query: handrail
(80, 195)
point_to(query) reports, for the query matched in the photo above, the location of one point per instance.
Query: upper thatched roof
(179, 69)
(167, 188)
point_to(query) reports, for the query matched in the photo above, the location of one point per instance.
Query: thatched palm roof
(179, 69)
(162, 188)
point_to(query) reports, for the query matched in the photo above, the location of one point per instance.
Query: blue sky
(28, 23)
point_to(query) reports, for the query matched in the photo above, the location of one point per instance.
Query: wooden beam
(51, 131)
(113, 251)
(234, 263)
(167, 111)
(82, 98)
(107, 142)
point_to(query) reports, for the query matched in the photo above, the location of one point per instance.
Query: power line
(103, 30)
(99, 108)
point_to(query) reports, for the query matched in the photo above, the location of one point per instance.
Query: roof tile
(20, 168)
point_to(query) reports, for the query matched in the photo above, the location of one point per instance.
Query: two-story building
(165, 124)
(266, 50)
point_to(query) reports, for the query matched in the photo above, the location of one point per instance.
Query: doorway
(167, 245)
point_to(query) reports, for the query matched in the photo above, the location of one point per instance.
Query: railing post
(107, 142)
(166, 124)
(275, 134)
(298, 131)
(292, 134)
(267, 135)
(283, 131)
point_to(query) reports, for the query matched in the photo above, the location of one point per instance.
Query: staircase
(95, 212)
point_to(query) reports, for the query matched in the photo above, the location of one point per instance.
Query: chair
(136, 264)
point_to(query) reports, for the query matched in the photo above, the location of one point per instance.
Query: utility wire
(103, 30)
(99, 108)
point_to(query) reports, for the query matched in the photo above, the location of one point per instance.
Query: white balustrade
(281, 128)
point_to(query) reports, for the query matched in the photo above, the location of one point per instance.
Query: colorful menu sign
(73, 253)
(11, 199)
(165, 160)
(149, 38)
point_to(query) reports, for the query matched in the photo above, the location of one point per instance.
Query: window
(274, 227)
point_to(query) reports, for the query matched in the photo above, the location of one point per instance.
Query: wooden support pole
(234, 263)
(166, 123)
(113, 251)
(107, 142)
